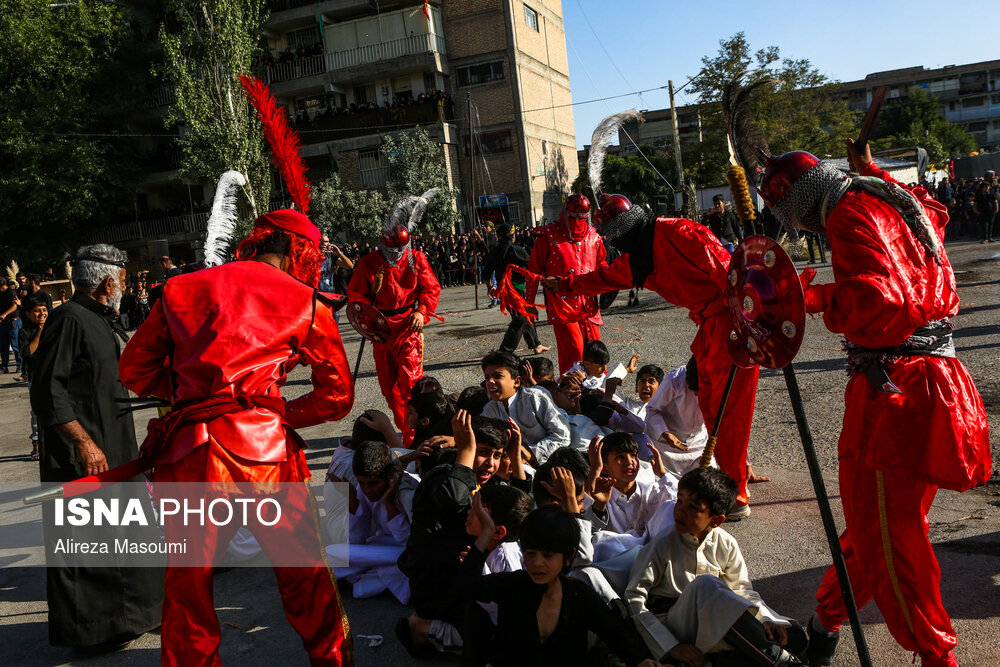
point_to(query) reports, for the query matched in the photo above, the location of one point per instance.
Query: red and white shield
(368, 321)
(767, 305)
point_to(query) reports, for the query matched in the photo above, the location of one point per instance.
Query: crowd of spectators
(289, 54)
(305, 116)
(973, 205)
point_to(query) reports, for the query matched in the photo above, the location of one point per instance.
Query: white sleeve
(553, 421)
(361, 521)
(736, 576)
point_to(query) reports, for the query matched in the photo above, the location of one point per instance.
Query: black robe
(75, 377)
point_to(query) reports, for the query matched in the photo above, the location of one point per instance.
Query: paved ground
(783, 541)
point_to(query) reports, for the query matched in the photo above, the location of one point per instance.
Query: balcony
(383, 51)
(296, 69)
(161, 96)
(151, 229)
(371, 122)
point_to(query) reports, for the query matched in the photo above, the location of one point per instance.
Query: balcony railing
(156, 227)
(296, 69)
(381, 51)
(161, 96)
(282, 5)
(359, 124)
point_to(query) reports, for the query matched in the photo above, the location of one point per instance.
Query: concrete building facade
(352, 72)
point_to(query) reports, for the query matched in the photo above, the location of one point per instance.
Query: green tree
(69, 81)
(918, 121)
(206, 45)
(801, 111)
(337, 209)
(633, 177)
(416, 164)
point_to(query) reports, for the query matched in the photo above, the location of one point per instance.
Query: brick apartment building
(505, 56)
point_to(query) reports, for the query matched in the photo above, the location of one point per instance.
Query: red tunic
(887, 285)
(399, 362)
(559, 254)
(236, 330)
(689, 270)
(400, 286)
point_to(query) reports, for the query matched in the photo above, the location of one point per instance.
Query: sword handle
(708, 452)
(43, 495)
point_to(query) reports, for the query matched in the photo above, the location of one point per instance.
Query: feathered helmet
(284, 142)
(797, 173)
(400, 223)
(615, 214)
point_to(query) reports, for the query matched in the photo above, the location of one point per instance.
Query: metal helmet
(397, 237)
(577, 207)
(782, 172)
(616, 216)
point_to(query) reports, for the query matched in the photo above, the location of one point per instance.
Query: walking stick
(819, 487)
(767, 305)
(709, 451)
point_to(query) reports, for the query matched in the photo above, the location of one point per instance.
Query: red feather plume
(282, 138)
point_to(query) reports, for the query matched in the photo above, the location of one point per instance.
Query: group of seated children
(526, 520)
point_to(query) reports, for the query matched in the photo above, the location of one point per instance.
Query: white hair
(88, 275)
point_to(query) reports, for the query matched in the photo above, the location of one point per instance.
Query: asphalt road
(783, 541)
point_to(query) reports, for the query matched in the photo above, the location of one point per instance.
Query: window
(374, 168)
(303, 37)
(473, 75)
(995, 99)
(976, 127)
(365, 94)
(531, 18)
(973, 102)
(491, 142)
(996, 125)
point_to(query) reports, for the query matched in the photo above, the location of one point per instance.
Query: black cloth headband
(99, 260)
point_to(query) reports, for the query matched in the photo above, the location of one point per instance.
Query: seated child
(674, 421)
(507, 507)
(594, 364)
(560, 481)
(582, 429)
(542, 615)
(428, 414)
(541, 370)
(682, 614)
(340, 475)
(637, 501)
(473, 400)
(647, 381)
(379, 510)
(543, 427)
(437, 528)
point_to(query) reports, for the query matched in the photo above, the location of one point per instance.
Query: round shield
(765, 300)
(368, 321)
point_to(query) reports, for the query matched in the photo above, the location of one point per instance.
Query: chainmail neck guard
(810, 197)
(622, 223)
(392, 255)
(637, 242)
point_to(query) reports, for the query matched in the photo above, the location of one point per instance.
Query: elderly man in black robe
(75, 393)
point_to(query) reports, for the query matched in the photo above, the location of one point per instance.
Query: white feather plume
(12, 271)
(420, 206)
(222, 221)
(605, 132)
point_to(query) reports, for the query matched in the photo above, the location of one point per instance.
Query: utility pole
(472, 194)
(677, 136)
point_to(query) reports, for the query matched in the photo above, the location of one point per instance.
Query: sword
(709, 451)
(878, 98)
(90, 483)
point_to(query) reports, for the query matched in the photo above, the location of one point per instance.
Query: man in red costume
(913, 419)
(684, 263)
(218, 345)
(569, 247)
(399, 282)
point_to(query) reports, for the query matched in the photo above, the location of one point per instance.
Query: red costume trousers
(570, 337)
(190, 630)
(399, 363)
(712, 358)
(889, 558)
